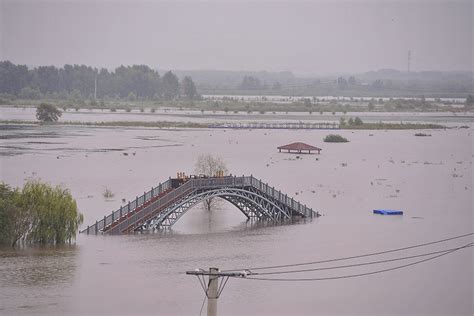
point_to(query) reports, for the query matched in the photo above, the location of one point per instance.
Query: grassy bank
(170, 124)
(312, 106)
(393, 126)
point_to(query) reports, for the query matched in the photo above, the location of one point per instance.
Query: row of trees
(38, 213)
(341, 83)
(80, 81)
(351, 122)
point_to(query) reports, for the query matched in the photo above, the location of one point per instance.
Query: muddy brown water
(430, 178)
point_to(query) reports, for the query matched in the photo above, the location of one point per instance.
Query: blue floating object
(388, 212)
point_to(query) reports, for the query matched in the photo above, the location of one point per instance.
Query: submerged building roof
(299, 147)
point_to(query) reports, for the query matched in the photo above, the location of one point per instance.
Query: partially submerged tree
(8, 212)
(47, 113)
(332, 138)
(209, 165)
(38, 213)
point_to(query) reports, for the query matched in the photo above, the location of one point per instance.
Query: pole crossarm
(214, 288)
(241, 274)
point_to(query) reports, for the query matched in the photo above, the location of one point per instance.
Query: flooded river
(430, 178)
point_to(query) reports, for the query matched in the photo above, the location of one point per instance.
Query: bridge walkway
(164, 204)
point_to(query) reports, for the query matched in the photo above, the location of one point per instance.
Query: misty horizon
(312, 38)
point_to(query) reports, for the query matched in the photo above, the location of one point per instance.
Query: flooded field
(430, 178)
(208, 117)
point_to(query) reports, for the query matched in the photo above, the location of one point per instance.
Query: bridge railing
(283, 198)
(129, 207)
(217, 182)
(166, 199)
(196, 183)
(258, 184)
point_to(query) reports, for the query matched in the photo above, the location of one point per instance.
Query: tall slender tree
(189, 89)
(170, 84)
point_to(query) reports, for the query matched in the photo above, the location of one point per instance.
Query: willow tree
(39, 213)
(56, 219)
(12, 220)
(209, 165)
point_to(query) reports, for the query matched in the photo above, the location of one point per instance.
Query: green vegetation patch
(395, 126)
(38, 213)
(333, 138)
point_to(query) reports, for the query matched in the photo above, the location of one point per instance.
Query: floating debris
(388, 212)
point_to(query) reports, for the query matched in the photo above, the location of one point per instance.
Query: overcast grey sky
(306, 37)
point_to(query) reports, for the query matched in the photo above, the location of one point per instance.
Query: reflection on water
(34, 280)
(37, 266)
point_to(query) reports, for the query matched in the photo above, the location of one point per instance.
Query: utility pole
(95, 88)
(213, 289)
(408, 60)
(212, 292)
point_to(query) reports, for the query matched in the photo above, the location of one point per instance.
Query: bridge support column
(212, 292)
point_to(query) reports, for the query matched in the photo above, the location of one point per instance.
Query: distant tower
(408, 60)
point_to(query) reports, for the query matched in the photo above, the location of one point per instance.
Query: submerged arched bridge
(163, 205)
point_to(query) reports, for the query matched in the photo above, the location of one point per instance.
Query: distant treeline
(140, 82)
(382, 83)
(84, 82)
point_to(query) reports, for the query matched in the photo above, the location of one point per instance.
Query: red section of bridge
(125, 217)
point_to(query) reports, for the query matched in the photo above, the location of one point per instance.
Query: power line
(354, 257)
(203, 301)
(364, 263)
(213, 290)
(360, 274)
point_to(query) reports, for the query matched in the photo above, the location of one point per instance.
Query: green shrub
(332, 138)
(47, 112)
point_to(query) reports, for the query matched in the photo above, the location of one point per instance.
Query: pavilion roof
(298, 146)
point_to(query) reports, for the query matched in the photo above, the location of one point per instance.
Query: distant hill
(392, 74)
